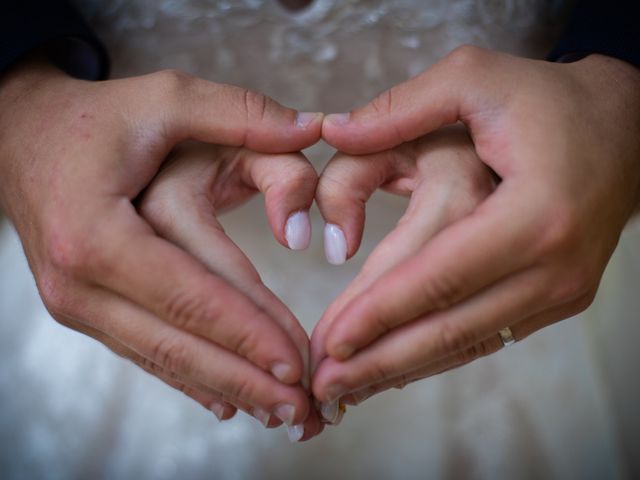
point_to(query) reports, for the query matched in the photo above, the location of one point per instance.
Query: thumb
(449, 91)
(197, 109)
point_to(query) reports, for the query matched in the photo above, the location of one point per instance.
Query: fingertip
(309, 120)
(298, 230)
(335, 244)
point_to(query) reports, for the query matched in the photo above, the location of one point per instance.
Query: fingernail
(334, 392)
(295, 433)
(262, 416)
(362, 395)
(281, 371)
(338, 118)
(286, 413)
(297, 231)
(304, 119)
(218, 410)
(335, 244)
(329, 411)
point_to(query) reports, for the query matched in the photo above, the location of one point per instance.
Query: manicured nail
(304, 119)
(329, 411)
(218, 410)
(338, 118)
(297, 231)
(281, 371)
(262, 416)
(286, 413)
(295, 432)
(334, 392)
(335, 244)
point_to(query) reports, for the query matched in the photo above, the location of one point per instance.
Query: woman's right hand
(73, 157)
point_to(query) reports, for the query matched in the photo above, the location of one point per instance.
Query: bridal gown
(559, 405)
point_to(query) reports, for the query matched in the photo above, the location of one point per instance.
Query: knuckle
(441, 291)
(474, 352)
(576, 284)
(241, 388)
(255, 104)
(247, 342)
(170, 354)
(170, 81)
(584, 301)
(54, 294)
(560, 230)
(465, 56)
(189, 311)
(74, 254)
(379, 372)
(455, 338)
(383, 103)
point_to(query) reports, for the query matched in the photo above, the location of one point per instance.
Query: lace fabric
(326, 57)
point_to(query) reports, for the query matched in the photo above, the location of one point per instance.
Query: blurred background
(562, 404)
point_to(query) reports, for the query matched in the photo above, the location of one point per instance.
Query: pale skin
(565, 141)
(76, 154)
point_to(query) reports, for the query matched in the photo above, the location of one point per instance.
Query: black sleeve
(57, 27)
(611, 28)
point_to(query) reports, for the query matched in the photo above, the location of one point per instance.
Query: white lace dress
(559, 405)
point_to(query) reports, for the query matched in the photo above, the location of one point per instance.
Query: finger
(193, 108)
(456, 88)
(447, 184)
(345, 186)
(171, 284)
(210, 400)
(456, 263)
(192, 360)
(520, 331)
(442, 195)
(288, 183)
(179, 210)
(438, 335)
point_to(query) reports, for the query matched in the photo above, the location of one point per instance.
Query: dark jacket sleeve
(57, 28)
(611, 28)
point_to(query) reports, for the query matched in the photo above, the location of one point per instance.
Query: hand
(198, 182)
(445, 181)
(73, 156)
(564, 140)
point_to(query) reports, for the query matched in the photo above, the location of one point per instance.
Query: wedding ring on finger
(506, 335)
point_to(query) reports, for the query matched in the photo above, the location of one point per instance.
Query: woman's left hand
(445, 180)
(197, 182)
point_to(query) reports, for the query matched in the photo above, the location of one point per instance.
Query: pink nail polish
(297, 231)
(304, 119)
(338, 118)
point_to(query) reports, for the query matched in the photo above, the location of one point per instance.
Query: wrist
(31, 72)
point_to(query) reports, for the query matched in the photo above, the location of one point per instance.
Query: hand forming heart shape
(432, 296)
(440, 171)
